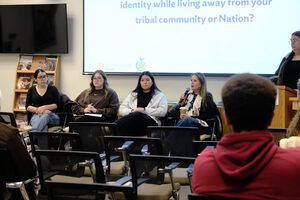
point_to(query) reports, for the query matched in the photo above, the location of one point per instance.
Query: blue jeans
(40, 122)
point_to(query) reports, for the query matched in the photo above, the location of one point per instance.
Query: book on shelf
(50, 79)
(50, 63)
(22, 101)
(25, 63)
(21, 120)
(24, 81)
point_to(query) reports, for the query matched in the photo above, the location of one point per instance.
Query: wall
(72, 82)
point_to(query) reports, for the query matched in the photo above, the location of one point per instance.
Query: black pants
(134, 124)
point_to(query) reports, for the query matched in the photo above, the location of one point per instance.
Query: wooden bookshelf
(26, 66)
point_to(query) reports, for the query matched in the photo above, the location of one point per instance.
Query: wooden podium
(283, 108)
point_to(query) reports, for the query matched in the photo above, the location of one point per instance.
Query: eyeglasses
(97, 78)
(41, 77)
(292, 41)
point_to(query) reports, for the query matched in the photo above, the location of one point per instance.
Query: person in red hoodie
(247, 163)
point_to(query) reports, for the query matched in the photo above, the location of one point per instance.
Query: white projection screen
(178, 37)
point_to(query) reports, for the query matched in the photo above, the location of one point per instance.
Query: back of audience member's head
(249, 102)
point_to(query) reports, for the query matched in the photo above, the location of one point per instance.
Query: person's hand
(40, 110)
(196, 112)
(47, 112)
(90, 108)
(183, 116)
(182, 99)
(139, 109)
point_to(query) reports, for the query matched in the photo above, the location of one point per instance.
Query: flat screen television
(32, 29)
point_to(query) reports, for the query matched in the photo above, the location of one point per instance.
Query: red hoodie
(248, 165)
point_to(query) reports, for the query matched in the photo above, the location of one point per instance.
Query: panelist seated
(289, 68)
(98, 99)
(143, 107)
(42, 102)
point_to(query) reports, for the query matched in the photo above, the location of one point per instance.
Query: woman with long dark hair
(289, 68)
(98, 99)
(143, 107)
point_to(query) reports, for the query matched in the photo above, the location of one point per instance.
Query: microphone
(185, 94)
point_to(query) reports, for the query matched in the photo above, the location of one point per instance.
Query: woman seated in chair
(196, 107)
(42, 101)
(143, 107)
(98, 99)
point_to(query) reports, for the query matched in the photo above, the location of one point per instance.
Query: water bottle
(298, 88)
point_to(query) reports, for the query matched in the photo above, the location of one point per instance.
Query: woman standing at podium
(289, 68)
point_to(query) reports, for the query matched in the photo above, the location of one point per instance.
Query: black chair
(199, 146)
(84, 191)
(8, 174)
(148, 175)
(121, 146)
(194, 196)
(8, 118)
(68, 166)
(177, 141)
(92, 134)
(54, 141)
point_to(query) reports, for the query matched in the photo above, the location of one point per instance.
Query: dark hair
(285, 63)
(203, 89)
(249, 102)
(139, 88)
(92, 87)
(37, 72)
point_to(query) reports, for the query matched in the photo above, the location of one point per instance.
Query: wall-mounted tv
(32, 29)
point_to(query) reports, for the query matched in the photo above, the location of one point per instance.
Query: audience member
(294, 127)
(98, 99)
(289, 68)
(247, 163)
(42, 100)
(142, 107)
(23, 164)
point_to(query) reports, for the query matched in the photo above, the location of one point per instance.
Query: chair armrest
(125, 146)
(123, 180)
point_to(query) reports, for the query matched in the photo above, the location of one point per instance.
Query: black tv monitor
(33, 29)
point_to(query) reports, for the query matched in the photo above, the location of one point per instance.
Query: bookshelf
(26, 66)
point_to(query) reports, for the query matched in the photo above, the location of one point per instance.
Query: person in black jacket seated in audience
(42, 100)
(199, 107)
(289, 68)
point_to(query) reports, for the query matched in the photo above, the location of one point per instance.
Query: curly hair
(294, 127)
(249, 102)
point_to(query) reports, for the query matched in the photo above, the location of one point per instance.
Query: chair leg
(21, 187)
(23, 192)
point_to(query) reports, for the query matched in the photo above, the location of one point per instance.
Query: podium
(283, 112)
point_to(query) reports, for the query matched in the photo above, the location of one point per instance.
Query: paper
(93, 115)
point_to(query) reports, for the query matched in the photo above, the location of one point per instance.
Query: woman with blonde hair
(98, 99)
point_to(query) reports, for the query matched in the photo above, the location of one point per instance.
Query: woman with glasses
(42, 101)
(98, 99)
(143, 107)
(194, 109)
(289, 68)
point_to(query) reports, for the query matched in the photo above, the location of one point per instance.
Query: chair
(278, 134)
(8, 118)
(8, 175)
(199, 146)
(122, 146)
(92, 134)
(148, 175)
(67, 191)
(54, 141)
(194, 196)
(68, 166)
(169, 136)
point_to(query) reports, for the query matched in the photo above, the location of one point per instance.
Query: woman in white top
(143, 107)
